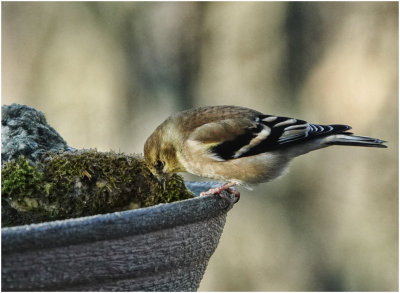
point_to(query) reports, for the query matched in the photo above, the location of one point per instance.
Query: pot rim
(113, 225)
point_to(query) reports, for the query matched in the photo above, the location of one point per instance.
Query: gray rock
(24, 131)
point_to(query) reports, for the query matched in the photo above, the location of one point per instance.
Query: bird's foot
(219, 190)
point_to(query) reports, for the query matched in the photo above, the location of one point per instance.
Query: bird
(238, 145)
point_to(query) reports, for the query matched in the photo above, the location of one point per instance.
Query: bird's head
(161, 158)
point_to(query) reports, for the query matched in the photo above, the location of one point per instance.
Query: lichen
(69, 185)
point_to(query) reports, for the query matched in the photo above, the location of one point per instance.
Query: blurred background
(106, 74)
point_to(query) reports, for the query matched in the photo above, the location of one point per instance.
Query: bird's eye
(159, 166)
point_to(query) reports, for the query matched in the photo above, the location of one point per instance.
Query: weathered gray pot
(160, 248)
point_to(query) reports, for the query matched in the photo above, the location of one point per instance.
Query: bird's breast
(252, 169)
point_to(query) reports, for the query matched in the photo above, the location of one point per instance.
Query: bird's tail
(347, 138)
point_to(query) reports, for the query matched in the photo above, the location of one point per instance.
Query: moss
(20, 177)
(68, 185)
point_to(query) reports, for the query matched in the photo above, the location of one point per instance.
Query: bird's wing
(240, 137)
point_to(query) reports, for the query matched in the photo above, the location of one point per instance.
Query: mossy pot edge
(160, 248)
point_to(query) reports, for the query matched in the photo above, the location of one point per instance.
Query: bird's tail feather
(348, 139)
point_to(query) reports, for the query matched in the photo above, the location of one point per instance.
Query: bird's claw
(219, 190)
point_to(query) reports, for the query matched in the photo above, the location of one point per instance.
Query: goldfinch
(238, 145)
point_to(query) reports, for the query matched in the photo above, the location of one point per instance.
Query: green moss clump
(69, 185)
(21, 177)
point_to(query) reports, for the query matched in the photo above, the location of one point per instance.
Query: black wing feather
(276, 138)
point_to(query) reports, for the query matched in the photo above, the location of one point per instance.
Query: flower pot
(160, 248)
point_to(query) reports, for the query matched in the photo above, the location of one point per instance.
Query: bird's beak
(163, 179)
